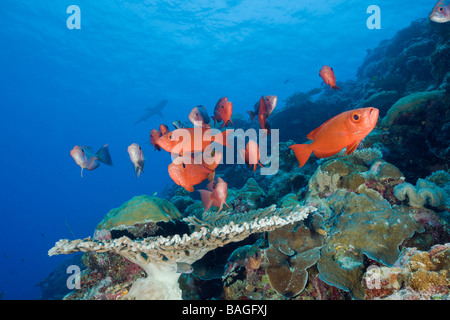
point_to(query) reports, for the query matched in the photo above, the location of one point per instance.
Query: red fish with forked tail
(346, 130)
(327, 74)
(216, 195)
(270, 102)
(251, 155)
(223, 112)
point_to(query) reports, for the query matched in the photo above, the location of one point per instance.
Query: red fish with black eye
(327, 75)
(346, 130)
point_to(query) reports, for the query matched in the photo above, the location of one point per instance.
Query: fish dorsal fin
(312, 135)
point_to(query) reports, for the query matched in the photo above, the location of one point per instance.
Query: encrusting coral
(158, 256)
(416, 275)
(409, 103)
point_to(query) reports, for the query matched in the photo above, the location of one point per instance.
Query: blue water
(60, 88)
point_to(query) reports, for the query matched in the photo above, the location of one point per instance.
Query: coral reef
(344, 227)
(158, 256)
(416, 275)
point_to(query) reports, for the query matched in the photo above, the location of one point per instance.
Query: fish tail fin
(252, 115)
(207, 198)
(104, 156)
(211, 176)
(137, 171)
(139, 168)
(335, 87)
(301, 152)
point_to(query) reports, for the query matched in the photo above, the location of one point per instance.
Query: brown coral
(292, 250)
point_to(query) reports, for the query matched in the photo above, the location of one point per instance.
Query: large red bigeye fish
(216, 195)
(346, 130)
(86, 159)
(137, 158)
(327, 75)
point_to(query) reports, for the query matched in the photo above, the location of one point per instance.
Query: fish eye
(356, 117)
(441, 9)
(170, 137)
(222, 106)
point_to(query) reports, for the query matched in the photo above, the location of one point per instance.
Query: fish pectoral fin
(207, 198)
(324, 154)
(352, 147)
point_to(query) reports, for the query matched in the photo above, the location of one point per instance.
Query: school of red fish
(194, 161)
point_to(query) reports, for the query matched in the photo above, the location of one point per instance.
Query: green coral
(139, 209)
(425, 192)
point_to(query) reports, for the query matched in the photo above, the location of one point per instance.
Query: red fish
(441, 12)
(262, 119)
(173, 141)
(137, 158)
(223, 112)
(211, 160)
(154, 136)
(216, 195)
(327, 74)
(346, 130)
(270, 104)
(86, 159)
(163, 129)
(251, 155)
(199, 114)
(188, 175)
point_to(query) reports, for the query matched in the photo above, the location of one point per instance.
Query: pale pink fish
(137, 158)
(86, 159)
(200, 115)
(441, 12)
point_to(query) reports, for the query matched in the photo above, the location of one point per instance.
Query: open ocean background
(60, 88)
